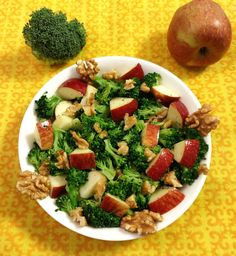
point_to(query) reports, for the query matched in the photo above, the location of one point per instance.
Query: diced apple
(150, 135)
(82, 159)
(177, 113)
(120, 106)
(164, 94)
(58, 185)
(114, 205)
(43, 134)
(63, 122)
(62, 107)
(136, 71)
(72, 88)
(186, 152)
(96, 181)
(160, 164)
(165, 199)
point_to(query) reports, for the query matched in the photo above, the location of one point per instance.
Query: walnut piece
(129, 84)
(77, 216)
(202, 120)
(171, 179)
(123, 148)
(71, 111)
(203, 169)
(130, 121)
(102, 133)
(148, 188)
(34, 185)
(167, 124)
(100, 189)
(80, 142)
(160, 116)
(44, 168)
(89, 105)
(143, 222)
(144, 88)
(149, 154)
(131, 202)
(87, 69)
(111, 75)
(62, 160)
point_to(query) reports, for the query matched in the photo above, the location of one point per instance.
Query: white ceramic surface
(121, 64)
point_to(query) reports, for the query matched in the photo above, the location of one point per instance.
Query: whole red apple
(199, 33)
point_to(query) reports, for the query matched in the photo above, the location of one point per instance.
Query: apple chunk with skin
(165, 199)
(186, 152)
(177, 113)
(164, 94)
(150, 135)
(82, 159)
(72, 88)
(160, 164)
(43, 134)
(120, 106)
(114, 205)
(136, 71)
(58, 185)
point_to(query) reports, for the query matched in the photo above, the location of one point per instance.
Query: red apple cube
(150, 135)
(58, 185)
(165, 199)
(44, 134)
(160, 164)
(136, 71)
(120, 106)
(114, 205)
(186, 152)
(177, 113)
(82, 159)
(164, 94)
(72, 88)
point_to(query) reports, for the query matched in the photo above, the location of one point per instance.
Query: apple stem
(203, 51)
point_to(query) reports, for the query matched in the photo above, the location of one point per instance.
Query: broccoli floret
(148, 107)
(134, 132)
(169, 136)
(64, 203)
(107, 168)
(141, 201)
(36, 156)
(75, 178)
(102, 110)
(97, 217)
(63, 140)
(132, 93)
(152, 79)
(107, 89)
(116, 134)
(45, 106)
(52, 38)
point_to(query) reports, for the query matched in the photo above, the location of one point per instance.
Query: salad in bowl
(116, 145)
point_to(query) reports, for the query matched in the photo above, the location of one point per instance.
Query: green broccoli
(52, 38)
(64, 203)
(107, 168)
(134, 132)
(63, 140)
(141, 201)
(45, 106)
(132, 93)
(148, 107)
(97, 217)
(152, 79)
(169, 136)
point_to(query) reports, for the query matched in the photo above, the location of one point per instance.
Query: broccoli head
(148, 107)
(53, 38)
(169, 136)
(64, 203)
(107, 168)
(152, 79)
(63, 140)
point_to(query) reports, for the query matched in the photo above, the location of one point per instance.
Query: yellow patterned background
(116, 27)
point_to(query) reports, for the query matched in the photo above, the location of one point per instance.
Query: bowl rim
(93, 232)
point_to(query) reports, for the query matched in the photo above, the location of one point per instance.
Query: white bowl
(121, 64)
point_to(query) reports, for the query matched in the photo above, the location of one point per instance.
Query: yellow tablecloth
(134, 28)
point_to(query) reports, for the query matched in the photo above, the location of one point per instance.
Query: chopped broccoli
(152, 79)
(63, 140)
(132, 93)
(169, 136)
(52, 38)
(116, 134)
(148, 107)
(64, 203)
(141, 201)
(134, 132)
(107, 168)
(36, 156)
(45, 106)
(97, 217)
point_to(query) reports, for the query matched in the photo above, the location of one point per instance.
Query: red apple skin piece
(150, 135)
(136, 71)
(164, 95)
(160, 164)
(186, 152)
(177, 113)
(58, 186)
(164, 200)
(44, 134)
(82, 159)
(72, 88)
(120, 106)
(114, 205)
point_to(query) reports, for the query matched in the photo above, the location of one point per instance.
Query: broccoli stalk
(52, 38)
(106, 166)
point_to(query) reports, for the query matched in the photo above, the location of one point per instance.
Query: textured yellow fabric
(117, 27)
